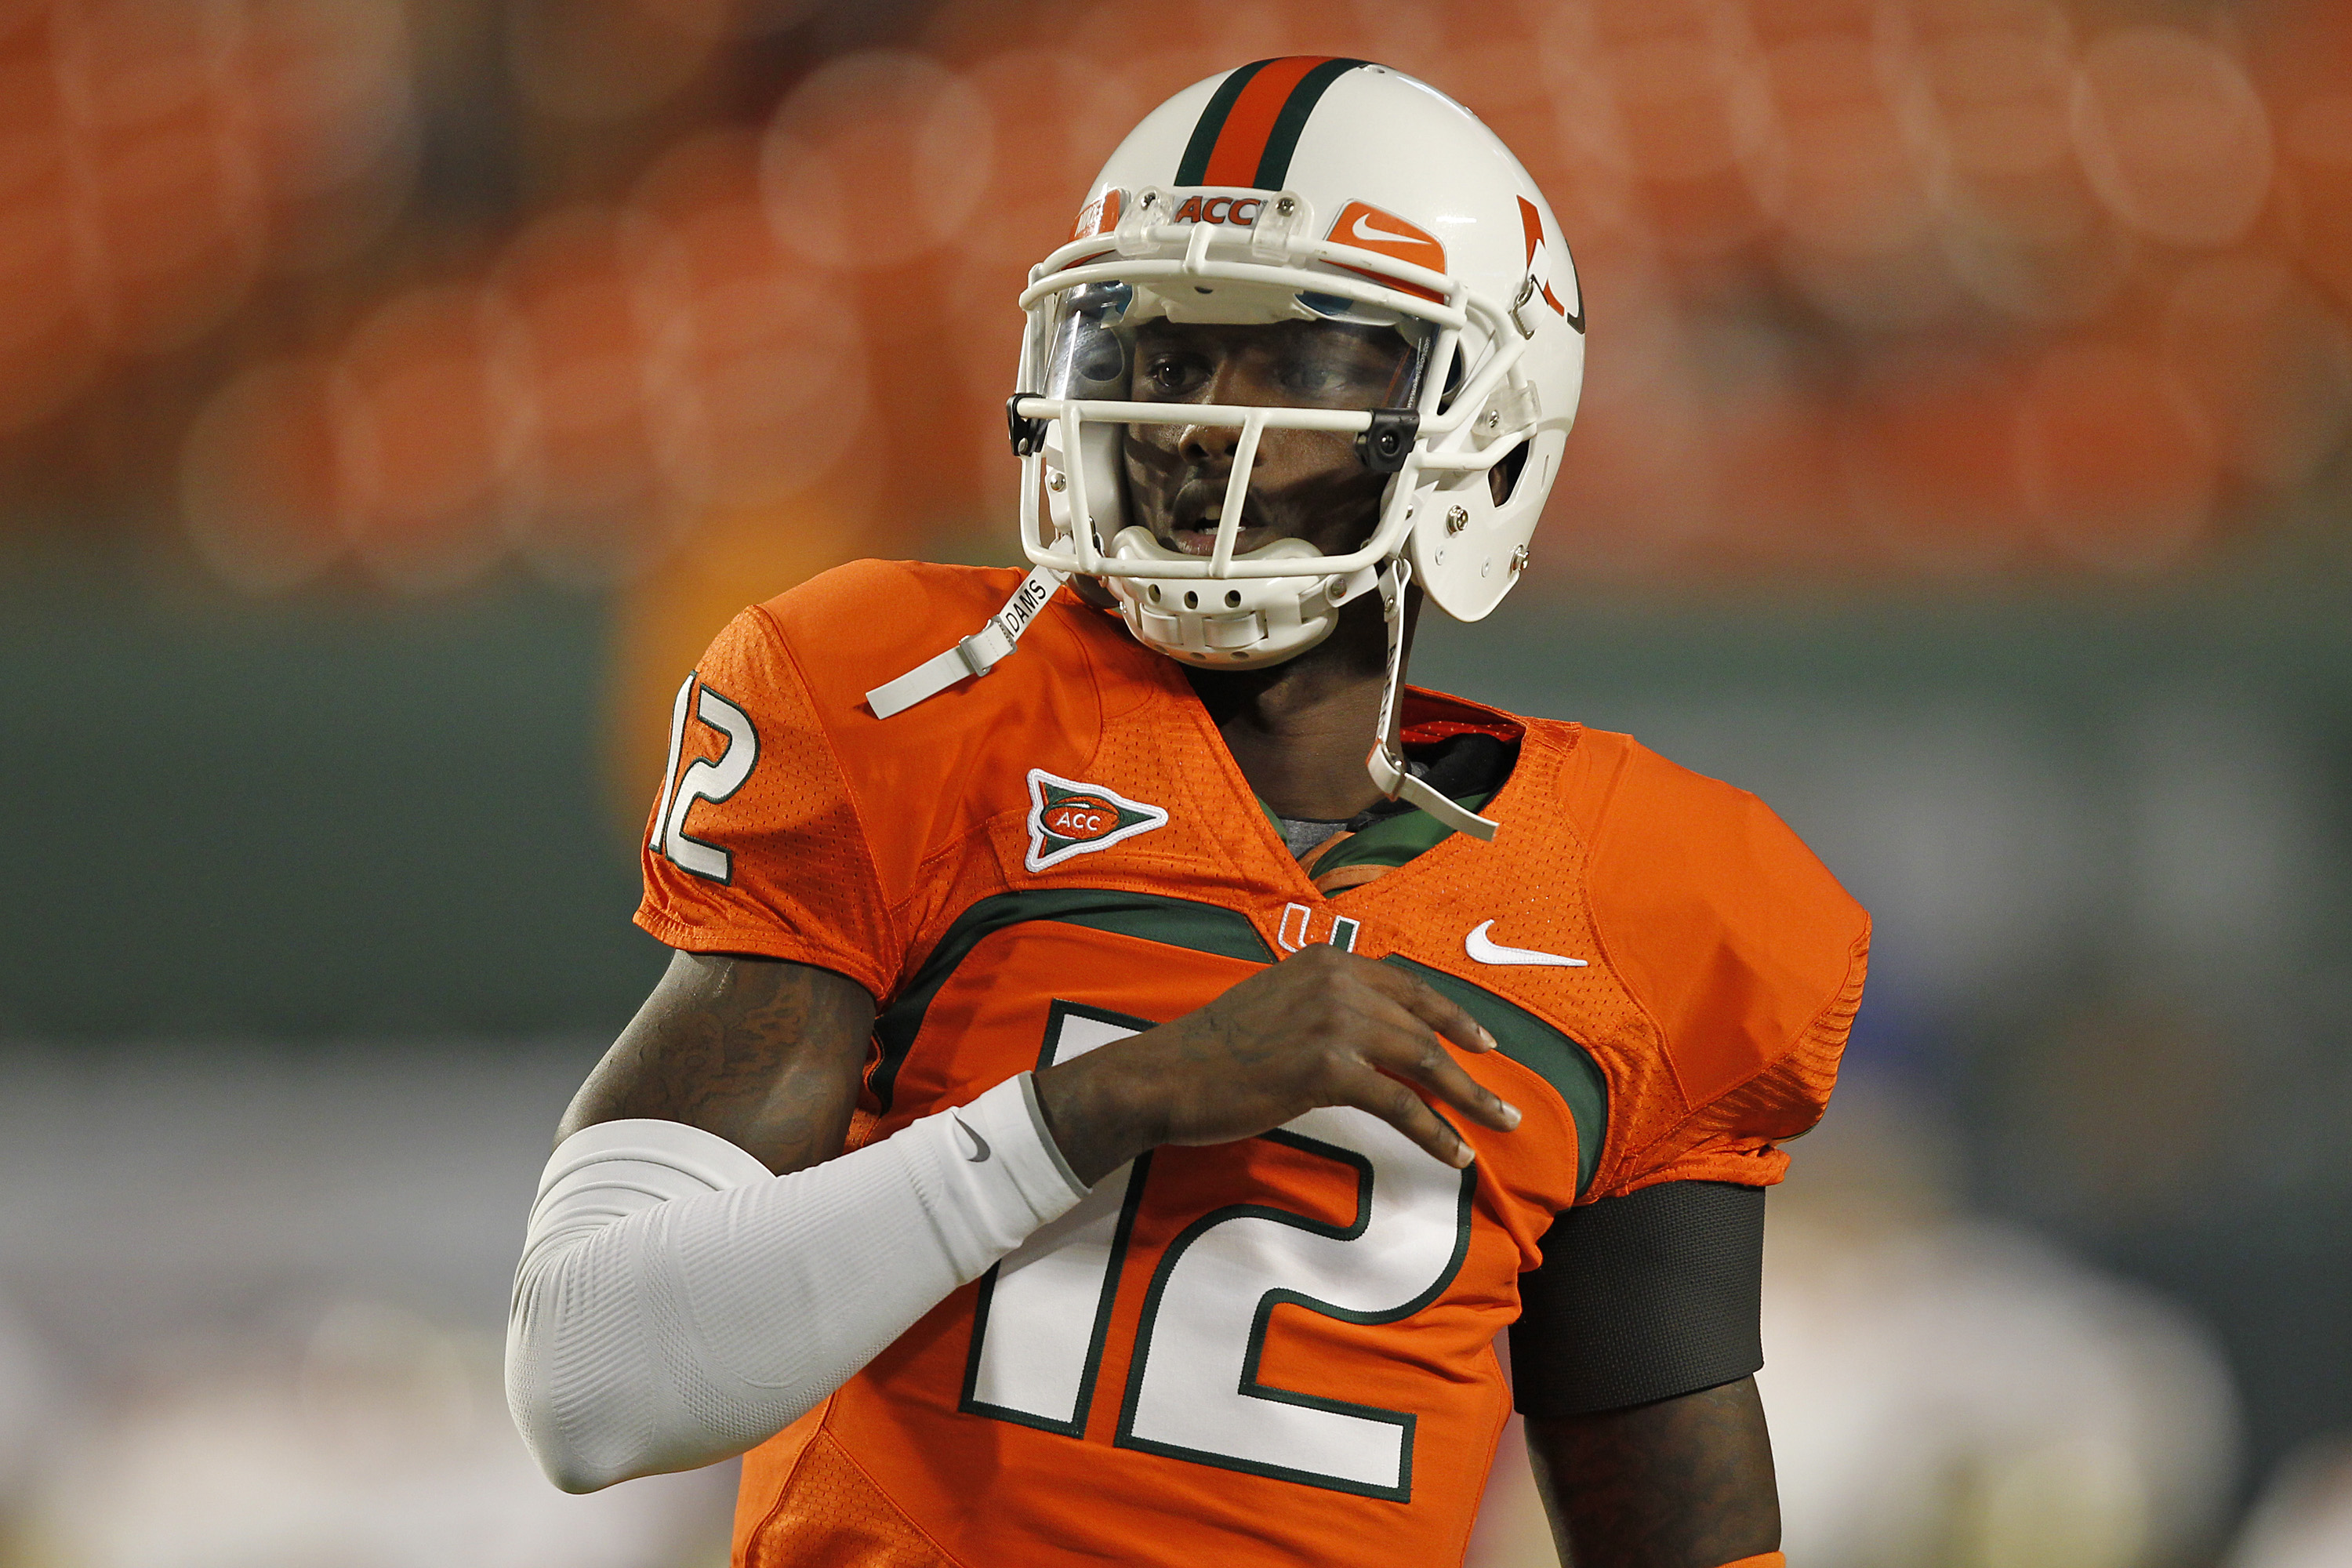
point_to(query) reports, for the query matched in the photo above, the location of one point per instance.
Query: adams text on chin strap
(975, 655)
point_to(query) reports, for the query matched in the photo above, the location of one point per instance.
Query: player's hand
(1322, 1027)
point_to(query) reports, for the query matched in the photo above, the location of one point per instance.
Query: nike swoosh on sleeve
(978, 1143)
(1485, 950)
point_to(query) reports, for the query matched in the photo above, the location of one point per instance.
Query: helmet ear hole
(1503, 479)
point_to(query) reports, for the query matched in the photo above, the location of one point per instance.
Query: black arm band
(1642, 1297)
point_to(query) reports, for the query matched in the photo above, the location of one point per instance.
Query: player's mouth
(1199, 511)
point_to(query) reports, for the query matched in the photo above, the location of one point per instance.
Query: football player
(1096, 1115)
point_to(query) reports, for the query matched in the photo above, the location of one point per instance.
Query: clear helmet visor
(1214, 559)
(1238, 343)
(1089, 357)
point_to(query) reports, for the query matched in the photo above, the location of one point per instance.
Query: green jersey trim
(1178, 922)
(1534, 1044)
(1394, 840)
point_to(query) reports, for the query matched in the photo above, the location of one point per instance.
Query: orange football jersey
(1275, 1350)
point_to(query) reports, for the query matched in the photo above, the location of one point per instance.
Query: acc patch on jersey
(1068, 818)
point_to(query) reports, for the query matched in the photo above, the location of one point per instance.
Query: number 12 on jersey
(1192, 1389)
(705, 780)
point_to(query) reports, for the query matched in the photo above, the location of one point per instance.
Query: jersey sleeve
(754, 844)
(1748, 958)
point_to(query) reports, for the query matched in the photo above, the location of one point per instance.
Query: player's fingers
(1410, 1052)
(1424, 1003)
(1406, 1111)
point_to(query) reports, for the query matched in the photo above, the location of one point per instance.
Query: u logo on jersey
(1302, 927)
(1069, 817)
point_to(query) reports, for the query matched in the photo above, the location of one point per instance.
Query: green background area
(335, 820)
(310, 819)
(350, 817)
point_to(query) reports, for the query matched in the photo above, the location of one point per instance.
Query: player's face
(1306, 484)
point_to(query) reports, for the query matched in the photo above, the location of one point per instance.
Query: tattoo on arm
(1682, 1483)
(766, 1054)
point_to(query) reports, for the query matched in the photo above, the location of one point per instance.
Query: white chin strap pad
(676, 1304)
(1222, 622)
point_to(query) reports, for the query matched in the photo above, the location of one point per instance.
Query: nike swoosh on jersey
(978, 1143)
(1485, 950)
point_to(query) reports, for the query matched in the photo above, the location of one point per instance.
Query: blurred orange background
(1984, 291)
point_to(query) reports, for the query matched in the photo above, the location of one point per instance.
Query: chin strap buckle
(973, 655)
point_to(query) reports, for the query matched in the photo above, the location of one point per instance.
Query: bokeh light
(2117, 462)
(2172, 134)
(759, 366)
(590, 501)
(160, 156)
(427, 437)
(258, 480)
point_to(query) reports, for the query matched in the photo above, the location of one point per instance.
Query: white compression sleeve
(676, 1304)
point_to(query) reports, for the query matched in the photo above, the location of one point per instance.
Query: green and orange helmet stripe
(1245, 136)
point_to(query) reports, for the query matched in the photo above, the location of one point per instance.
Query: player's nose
(1233, 383)
(1203, 446)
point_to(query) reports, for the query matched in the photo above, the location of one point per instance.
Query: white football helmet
(1296, 189)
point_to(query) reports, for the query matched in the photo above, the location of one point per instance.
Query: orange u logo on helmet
(1539, 256)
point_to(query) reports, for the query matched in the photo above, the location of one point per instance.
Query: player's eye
(1316, 378)
(1335, 373)
(1172, 376)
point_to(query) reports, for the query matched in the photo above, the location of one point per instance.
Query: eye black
(1105, 362)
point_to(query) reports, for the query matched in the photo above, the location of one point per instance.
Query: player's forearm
(1102, 1115)
(1685, 1482)
(1321, 1027)
(676, 1305)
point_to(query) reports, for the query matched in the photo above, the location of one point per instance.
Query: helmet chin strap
(975, 655)
(981, 652)
(1390, 776)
